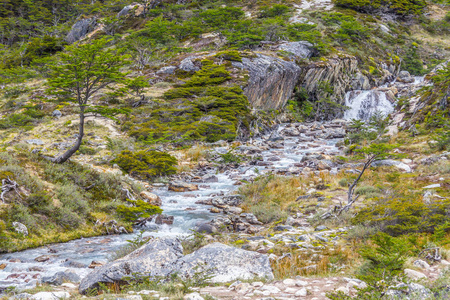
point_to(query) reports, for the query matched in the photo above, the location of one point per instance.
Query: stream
(282, 156)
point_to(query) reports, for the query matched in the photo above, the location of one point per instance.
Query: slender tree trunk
(64, 157)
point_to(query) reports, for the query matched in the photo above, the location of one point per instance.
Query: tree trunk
(64, 157)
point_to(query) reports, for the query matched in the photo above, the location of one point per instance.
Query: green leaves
(138, 209)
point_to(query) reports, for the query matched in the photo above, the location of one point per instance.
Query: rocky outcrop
(133, 9)
(163, 257)
(272, 80)
(223, 263)
(337, 71)
(298, 50)
(154, 259)
(80, 29)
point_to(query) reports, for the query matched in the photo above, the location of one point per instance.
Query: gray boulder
(80, 29)
(20, 228)
(298, 50)
(272, 80)
(57, 114)
(138, 10)
(35, 142)
(166, 70)
(392, 163)
(233, 200)
(61, 277)
(222, 263)
(154, 259)
(188, 65)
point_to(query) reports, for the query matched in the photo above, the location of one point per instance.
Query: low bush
(398, 7)
(146, 164)
(137, 209)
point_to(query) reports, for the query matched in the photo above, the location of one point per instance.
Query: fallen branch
(9, 185)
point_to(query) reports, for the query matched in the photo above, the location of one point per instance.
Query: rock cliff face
(271, 80)
(80, 29)
(338, 72)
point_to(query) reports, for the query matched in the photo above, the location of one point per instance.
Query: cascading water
(365, 104)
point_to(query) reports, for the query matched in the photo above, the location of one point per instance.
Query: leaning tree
(82, 71)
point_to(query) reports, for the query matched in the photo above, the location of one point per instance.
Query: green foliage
(24, 119)
(360, 131)
(273, 11)
(399, 7)
(412, 62)
(145, 164)
(200, 109)
(137, 85)
(404, 214)
(137, 209)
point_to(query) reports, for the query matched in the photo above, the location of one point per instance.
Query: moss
(231, 55)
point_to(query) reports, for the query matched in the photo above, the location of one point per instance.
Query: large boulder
(151, 198)
(80, 29)
(222, 263)
(272, 80)
(154, 259)
(298, 50)
(392, 163)
(133, 9)
(180, 186)
(61, 277)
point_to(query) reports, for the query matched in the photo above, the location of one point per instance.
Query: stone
(321, 227)
(95, 264)
(188, 65)
(42, 258)
(233, 200)
(298, 50)
(289, 282)
(415, 275)
(271, 80)
(3, 266)
(164, 219)
(56, 114)
(69, 285)
(301, 283)
(35, 142)
(151, 198)
(250, 218)
(222, 263)
(271, 289)
(206, 228)
(233, 210)
(390, 162)
(166, 70)
(50, 296)
(74, 264)
(61, 277)
(80, 29)
(283, 228)
(421, 264)
(138, 10)
(432, 186)
(301, 293)
(180, 186)
(193, 296)
(20, 228)
(155, 259)
(290, 290)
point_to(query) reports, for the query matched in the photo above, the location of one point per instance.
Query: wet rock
(180, 186)
(20, 228)
(210, 179)
(61, 277)
(224, 264)
(42, 258)
(95, 264)
(151, 198)
(233, 200)
(3, 266)
(405, 77)
(206, 228)
(155, 259)
(298, 50)
(164, 219)
(34, 269)
(232, 210)
(50, 296)
(74, 264)
(271, 80)
(80, 29)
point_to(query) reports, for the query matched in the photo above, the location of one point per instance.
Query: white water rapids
(22, 271)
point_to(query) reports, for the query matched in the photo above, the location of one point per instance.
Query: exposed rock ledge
(164, 256)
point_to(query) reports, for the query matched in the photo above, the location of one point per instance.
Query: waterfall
(364, 104)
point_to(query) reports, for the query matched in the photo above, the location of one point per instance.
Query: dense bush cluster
(146, 164)
(200, 109)
(399, 7)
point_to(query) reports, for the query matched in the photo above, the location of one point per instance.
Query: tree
(370, 153)
(81, 72)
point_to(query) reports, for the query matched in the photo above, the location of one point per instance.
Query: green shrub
(137, 209)
(399, 7)
(145, 164)
(273, 11)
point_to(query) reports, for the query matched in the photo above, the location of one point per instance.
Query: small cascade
(364, 104)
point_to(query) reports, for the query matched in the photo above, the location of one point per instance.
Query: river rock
(298, 50)
(151, 198)
(233, 200)
(20, 228)
(50, 296)
(271, 80)
(61, 277)
(206, 228)
(222, 263)
(42, 258)
(95, 264)
(155, 259)
(164, 219)
(405, 77)
(80, 29)
(180, 186)
(250, 218)
(210, 179)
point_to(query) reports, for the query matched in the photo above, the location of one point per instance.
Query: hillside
(310, 136)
